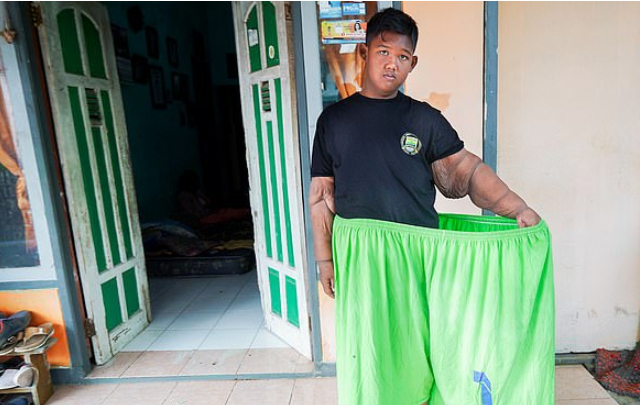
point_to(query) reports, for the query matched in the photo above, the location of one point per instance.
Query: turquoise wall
(160, 147)
(222, 40)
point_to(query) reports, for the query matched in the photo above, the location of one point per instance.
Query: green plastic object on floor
(461, 315)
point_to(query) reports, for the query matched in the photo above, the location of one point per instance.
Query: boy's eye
(383, 52)
(404, 57)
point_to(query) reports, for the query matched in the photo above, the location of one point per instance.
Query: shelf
(41, 389)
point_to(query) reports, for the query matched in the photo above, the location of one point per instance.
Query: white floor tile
(171, 305)
(250, 320)
(209, 305)
(156, 291)
(142, 341)
(174, 340)
(195, 321)
(267, 340)
(246, 303)
(162, 320)
(210, 294)
(228, 339)
(250, 289)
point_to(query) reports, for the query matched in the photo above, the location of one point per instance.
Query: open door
(274, 168)
(92, 142)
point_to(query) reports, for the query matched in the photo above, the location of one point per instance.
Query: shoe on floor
(13, 325)
(22, 377)
(17, 401)
(35, 337)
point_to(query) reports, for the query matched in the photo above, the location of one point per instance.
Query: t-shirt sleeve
(444, 141)
(321, 161)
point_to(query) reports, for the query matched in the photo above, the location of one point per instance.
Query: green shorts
(461, 315)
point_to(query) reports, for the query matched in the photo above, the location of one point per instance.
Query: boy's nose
(391, 64)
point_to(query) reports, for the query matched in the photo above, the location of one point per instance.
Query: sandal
(35, 337)
(11, 343)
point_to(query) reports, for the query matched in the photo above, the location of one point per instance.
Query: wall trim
(27, 47)
(490, 88)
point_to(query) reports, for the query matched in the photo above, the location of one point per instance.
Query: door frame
(248, 80)
(30, 68)
(309, 105)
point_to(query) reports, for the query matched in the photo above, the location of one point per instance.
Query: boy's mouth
(389, 76)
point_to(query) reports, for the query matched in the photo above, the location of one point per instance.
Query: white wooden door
(92, 143)
(274, 168)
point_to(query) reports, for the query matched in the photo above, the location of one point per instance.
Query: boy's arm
(464, 173)
(323, 210)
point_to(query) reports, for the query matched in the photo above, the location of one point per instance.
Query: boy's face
(389, 59)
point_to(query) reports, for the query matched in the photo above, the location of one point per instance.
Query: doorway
(182, 105)
(149, 94)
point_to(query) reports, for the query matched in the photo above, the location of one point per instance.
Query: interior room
(179, 81)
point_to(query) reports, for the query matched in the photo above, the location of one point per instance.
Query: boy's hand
(327, 277)
(528, 217)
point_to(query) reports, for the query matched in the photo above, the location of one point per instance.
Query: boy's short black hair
(392, 20)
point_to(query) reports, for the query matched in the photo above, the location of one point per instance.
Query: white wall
(569, 143)
(449, 75)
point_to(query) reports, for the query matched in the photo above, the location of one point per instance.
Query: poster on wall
(330, 9)
(121, 49)
(153, 49)
(18, 247)
(156, 84)
(343, 32)
(358, 8)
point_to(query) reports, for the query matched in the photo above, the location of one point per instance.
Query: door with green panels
(274, 167)
(92, 144)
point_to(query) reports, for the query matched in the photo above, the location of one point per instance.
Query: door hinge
(89, 327)
(36, 14)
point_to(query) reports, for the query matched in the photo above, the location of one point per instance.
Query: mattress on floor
(220, 262)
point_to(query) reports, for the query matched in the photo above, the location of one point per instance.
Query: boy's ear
(414, 61)
(364, 51)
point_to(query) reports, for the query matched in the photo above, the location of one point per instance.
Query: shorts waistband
(540, 229)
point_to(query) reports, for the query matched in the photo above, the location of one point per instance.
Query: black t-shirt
(380, 152)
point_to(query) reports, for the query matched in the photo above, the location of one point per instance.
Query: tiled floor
(205, 313)
(574, 386)
(214, 326)
(204, 326)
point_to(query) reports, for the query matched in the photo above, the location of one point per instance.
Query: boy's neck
(371, 94)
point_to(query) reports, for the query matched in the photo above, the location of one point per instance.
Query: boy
(378, 155)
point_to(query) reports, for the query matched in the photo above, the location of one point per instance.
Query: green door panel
(270, 34)
(111, 301)
(93, 48)
(68, 31)
(87, 177)
(263, 174)
(283, 170)
(291, 293)
(131, 291)
(117, 175)
(253, 39)
(274, 289)
(274, 189)
(107, 204)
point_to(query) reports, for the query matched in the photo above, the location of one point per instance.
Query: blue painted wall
(223, 41)
(161, 147)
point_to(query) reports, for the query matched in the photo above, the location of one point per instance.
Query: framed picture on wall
(140, 67)
(120, 41)
(153, 50)
(172, 51)
(156, 85)
(180, 86)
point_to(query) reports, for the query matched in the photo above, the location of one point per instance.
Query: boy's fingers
(327, 286)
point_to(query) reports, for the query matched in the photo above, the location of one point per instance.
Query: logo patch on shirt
(410, 144)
